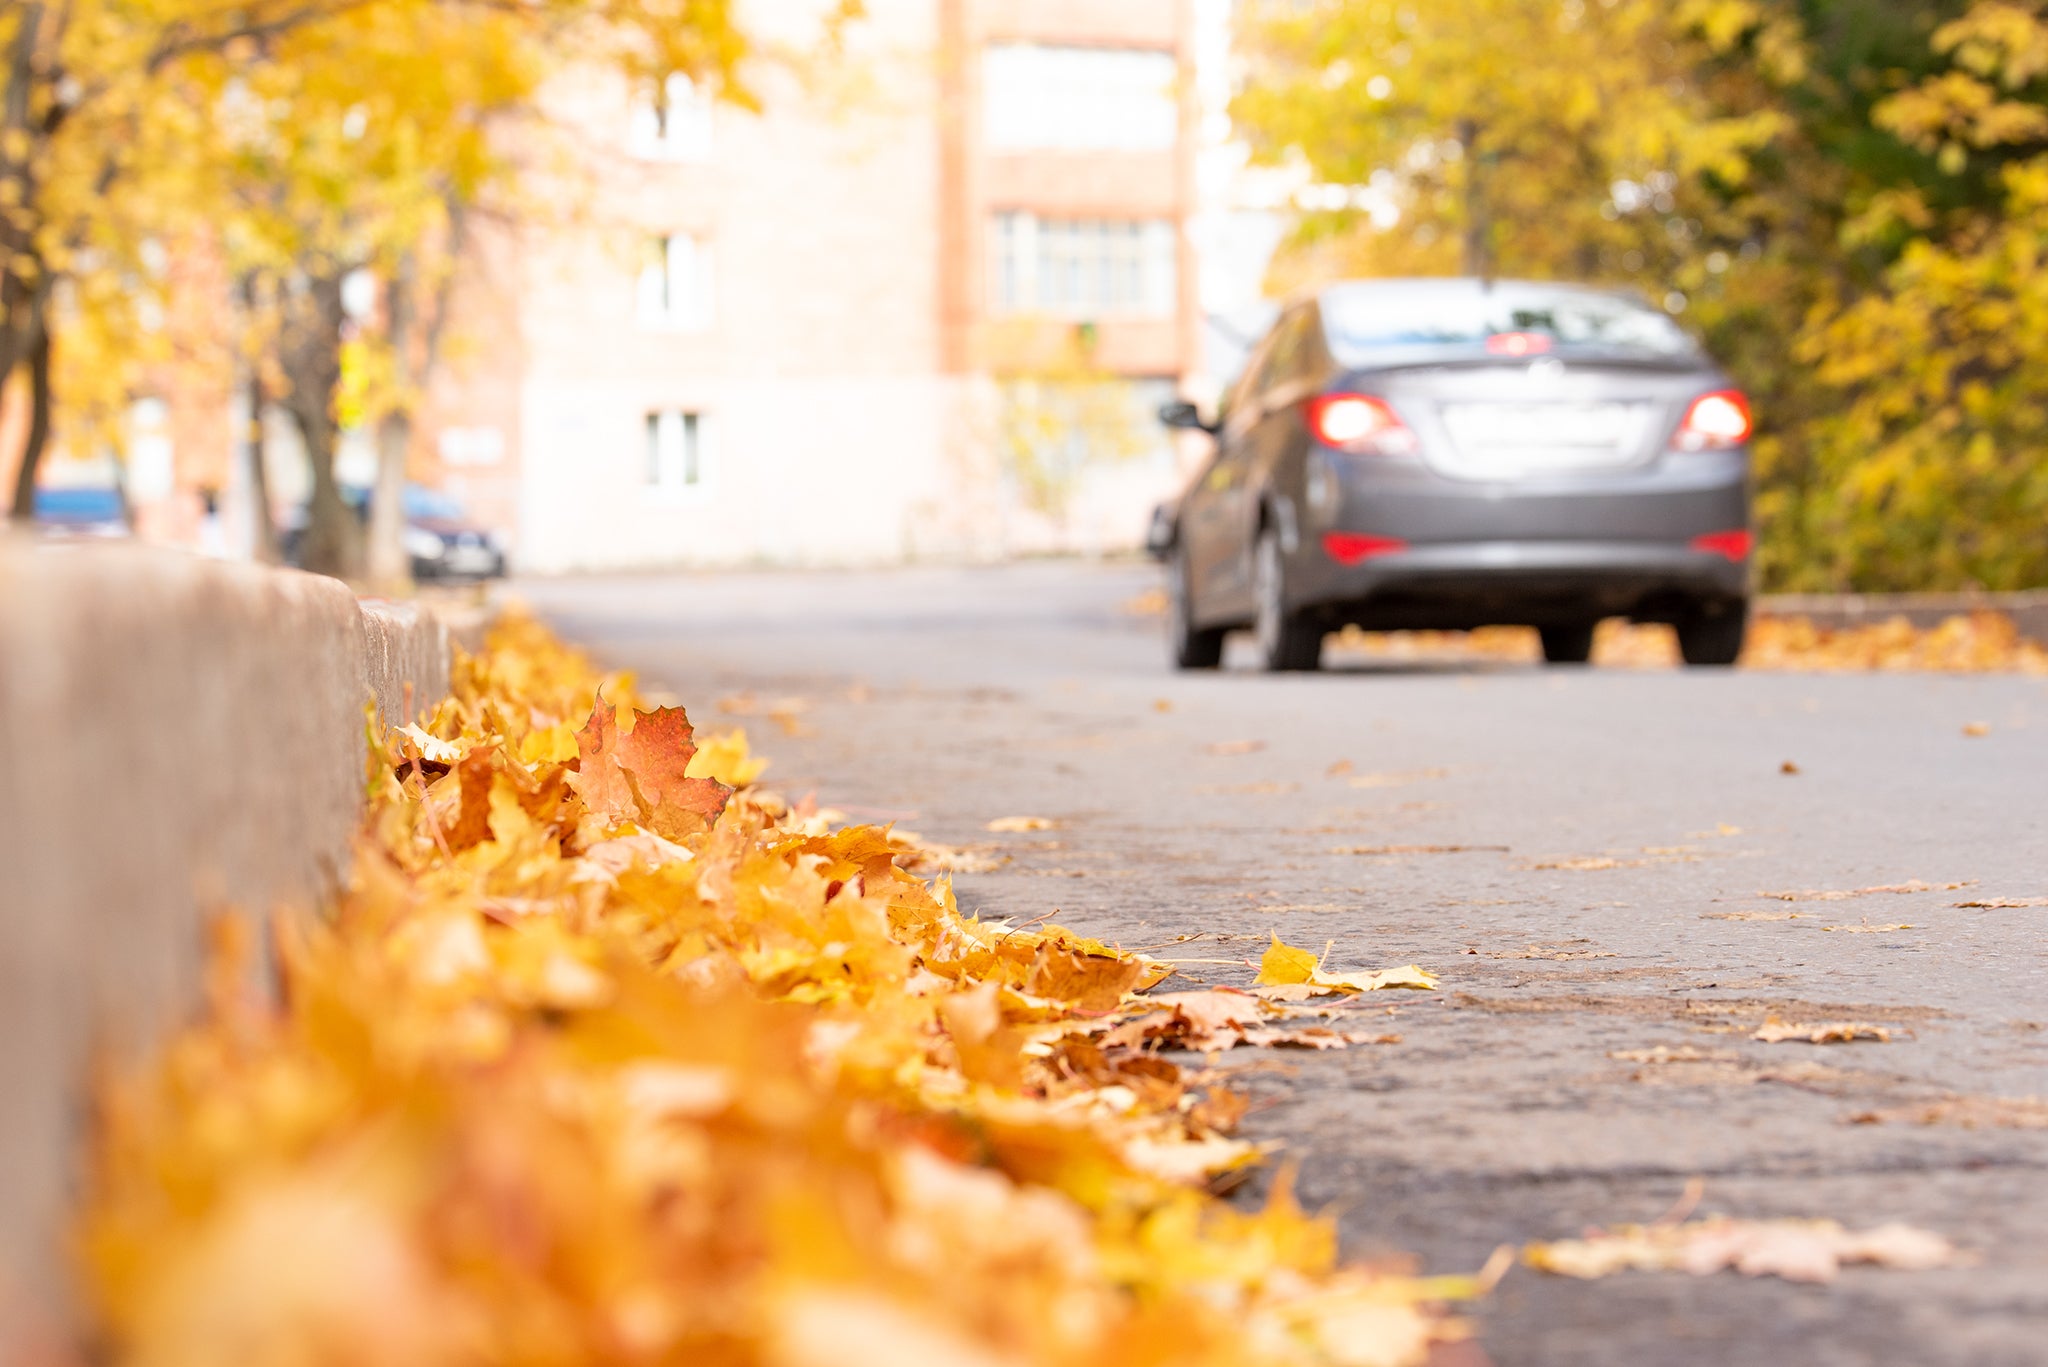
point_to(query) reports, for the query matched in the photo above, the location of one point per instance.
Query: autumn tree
(332, 135)
(83, 79)
(1933, 449)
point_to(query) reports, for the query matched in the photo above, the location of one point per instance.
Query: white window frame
(1054, 98)
(1084, 267)
(675, 121)
(676, 451)
(676, 286)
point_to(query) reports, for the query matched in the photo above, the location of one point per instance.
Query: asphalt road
(944, 698)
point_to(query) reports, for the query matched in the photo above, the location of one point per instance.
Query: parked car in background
(1459, 453)
(89, 510)
(443, 541)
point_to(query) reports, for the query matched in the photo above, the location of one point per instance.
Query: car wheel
(1712, 633)
(1288, 641)
(1570, 644)
(1193, 647)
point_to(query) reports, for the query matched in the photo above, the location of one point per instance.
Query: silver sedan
(1458, 453)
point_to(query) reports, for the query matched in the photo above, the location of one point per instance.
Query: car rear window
(1364, 322)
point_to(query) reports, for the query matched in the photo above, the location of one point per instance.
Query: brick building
(921, 305)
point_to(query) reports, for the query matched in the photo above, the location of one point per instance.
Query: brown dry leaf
(1150, 603)
(1967, 1112)
(1977, 728)
(1011, 825)
(1092, 982)
(1684, 1053)
(1560, 952)
(1338, 769)
(1397, 779)
(1788, 767)
(1420, 849)
(643, 775)
(1797, 1250)
(1234, 747)
(1590, 863)
(1978, 642)
(1868, 929)
(1844, 894)
(2003, 903)
(1776, 1031)
(1756, 916)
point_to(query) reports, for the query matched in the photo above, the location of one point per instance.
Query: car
(82, 511)
(1456, 453)
(444, 541)
(441, 539)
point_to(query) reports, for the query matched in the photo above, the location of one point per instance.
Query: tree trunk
(262, 522)
(311, 357)
(24, 509)
(1478, 223)
(390, 566)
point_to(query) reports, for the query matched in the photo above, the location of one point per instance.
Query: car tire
(1289, 641)
(1712, 633)
(1193, 647)
(1569, 644)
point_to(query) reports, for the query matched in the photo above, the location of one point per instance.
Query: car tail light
(1348, 548)
(1517, 344)
(1735, 545)
(1359, 423)
(1715, 422)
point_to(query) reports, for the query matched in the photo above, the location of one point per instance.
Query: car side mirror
(1184, 415)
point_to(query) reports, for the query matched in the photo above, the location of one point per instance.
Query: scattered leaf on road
(1797, 1250)
(1967, 1112)
(1589, 863)
(1234, 747)
(1844, 894)
(1396, 779)
(1868, 929)
(1776, 1031)
(1756, 916)
(1283, 964)
(1012, 825)
(1788, 767)
(2006, 902)
(1420, 849)
(1977, 728)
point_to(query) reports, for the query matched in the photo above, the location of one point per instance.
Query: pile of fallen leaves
(610, 1054)
(1979, 642)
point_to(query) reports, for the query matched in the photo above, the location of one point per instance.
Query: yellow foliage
(547, 1088)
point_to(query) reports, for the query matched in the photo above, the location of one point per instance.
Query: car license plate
(470, 559)
(1542, 435)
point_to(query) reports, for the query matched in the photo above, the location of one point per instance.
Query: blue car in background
(88, 510)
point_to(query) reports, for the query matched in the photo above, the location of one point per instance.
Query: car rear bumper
(1515, 582)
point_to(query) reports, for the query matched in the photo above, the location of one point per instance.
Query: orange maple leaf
(641, 775)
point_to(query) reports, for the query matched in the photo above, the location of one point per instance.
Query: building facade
(920, 306)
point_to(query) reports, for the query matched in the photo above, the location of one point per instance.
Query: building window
(1080, 99)
(675, 449)
(675, 283)
(672, 121)
(1085, 266)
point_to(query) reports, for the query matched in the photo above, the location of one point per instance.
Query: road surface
(1622, 826)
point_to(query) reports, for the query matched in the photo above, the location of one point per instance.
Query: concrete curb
(182, 736)
(2029, 610)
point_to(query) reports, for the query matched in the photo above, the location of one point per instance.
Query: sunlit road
(945, 698)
